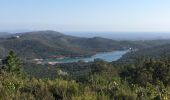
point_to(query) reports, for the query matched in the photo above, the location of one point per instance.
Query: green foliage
(12, 63)
(149, 71)
(147, 79)
(41, 44)
(159, 51)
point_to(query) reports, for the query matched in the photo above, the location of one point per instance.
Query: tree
(12, 63)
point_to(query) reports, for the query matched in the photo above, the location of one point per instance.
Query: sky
(85, 15)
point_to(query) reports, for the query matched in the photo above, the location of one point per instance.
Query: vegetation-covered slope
(42, 44)
(147, 79)
(154, 52)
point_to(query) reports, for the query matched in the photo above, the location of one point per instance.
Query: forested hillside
(146, 79)
(42, 44)
(154, 52)
(49, 43)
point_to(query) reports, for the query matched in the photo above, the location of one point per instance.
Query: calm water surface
(106, 56)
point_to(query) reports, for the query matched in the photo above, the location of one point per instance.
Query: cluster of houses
(41, 61)
(38, 61)
(66, 56)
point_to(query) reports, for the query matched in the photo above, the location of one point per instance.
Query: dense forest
(84, 49)
(145, 79)
(141, 74)
(42, 44)
(154, 52)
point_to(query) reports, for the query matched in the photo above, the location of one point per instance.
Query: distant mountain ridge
(130, 36)
(42, 44)
(4, 34)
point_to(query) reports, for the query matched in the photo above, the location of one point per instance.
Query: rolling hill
(42, 44)
(153, 52)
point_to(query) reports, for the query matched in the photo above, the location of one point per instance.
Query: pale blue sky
(86, 15)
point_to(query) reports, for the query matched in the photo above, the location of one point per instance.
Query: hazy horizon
(84, 16)
(109, 35)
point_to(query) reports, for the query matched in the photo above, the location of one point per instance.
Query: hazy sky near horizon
(85, 15)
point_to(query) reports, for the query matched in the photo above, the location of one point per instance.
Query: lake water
(106, 56)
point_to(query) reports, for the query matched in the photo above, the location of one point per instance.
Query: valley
(106, 56)
(84, 50)
(46, 61)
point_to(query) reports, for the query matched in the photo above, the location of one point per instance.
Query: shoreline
(86, 58)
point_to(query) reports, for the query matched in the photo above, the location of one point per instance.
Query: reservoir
(106, 56)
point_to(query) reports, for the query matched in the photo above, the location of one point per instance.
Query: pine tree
(12, 63)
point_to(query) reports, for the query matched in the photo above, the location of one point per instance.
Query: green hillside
(147, 79)
(154, 52)
(41, 44)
